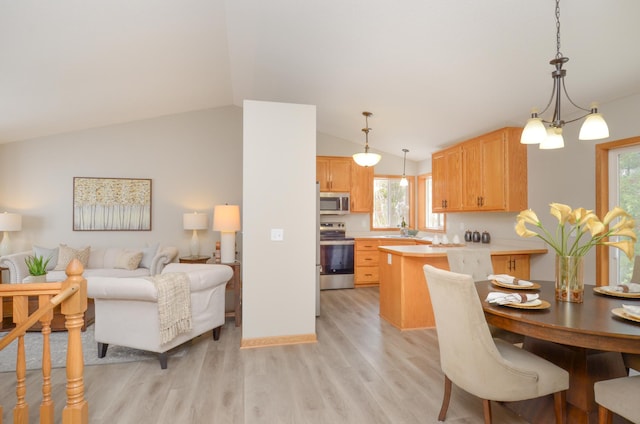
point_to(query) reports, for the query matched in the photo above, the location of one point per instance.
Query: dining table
(587, 339)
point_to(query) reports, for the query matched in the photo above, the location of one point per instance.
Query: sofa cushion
(66, 254)
(128, 259)
(51, 254)
(148, 253)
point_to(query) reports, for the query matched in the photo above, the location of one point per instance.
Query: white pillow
(51, 254)
(148, 254)
(66, 254)
(128, 259)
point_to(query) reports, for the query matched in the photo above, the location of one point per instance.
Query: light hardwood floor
(361, 371)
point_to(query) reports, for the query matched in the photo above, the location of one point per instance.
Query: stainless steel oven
(336, 257)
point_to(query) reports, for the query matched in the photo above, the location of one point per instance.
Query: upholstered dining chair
(618, 396)
(477, 264)
(488, 368)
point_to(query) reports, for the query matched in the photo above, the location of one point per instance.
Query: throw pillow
(66, 254)
(128, 259)
(51, 254)
(148, 253)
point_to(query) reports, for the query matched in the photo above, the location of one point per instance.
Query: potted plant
(37, 266)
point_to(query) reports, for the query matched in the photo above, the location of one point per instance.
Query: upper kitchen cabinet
(361, 189)
(493, 173)
(446, 174)
(334, 173)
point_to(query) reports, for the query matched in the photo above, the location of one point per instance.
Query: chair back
(474, 262)
(468, 354)
(635, 277)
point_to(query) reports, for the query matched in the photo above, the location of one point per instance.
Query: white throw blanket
(501, 298)
(174, 304)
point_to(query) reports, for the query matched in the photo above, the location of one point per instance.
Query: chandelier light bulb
(554, 139)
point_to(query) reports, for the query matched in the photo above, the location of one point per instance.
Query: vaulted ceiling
(432, 72)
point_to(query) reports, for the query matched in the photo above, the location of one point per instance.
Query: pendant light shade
(404, 182)
(594, 126)
(367, 158)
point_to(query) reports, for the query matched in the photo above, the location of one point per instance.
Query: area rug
(58, 340)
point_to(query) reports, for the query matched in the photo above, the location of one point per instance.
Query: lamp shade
(195, 221)
(226, 218)
(10, 222)
(367, 159)
(534, 132)
(594, 127)
(554, 139)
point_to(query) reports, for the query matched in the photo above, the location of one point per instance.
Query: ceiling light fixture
(403, 181)
(366, 158)
(594, 126)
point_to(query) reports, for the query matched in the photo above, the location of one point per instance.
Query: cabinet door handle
(368, 259)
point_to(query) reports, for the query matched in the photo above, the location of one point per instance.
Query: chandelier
(366, 158)
(593, 128)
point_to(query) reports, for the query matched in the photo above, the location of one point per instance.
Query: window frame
(422, 206)
(411, 191)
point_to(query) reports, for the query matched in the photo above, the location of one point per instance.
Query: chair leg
(216, 333)
(102, 349)
(604, 415)
(560, 403)
(445, 399)
(486, 407)
(163, 360)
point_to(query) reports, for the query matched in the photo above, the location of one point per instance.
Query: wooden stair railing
(71, 294)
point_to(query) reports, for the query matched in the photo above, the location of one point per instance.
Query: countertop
(498, 248)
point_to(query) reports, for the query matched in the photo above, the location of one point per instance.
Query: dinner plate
(620, 312)
(605, 291)
(533, 304)
(533, 286)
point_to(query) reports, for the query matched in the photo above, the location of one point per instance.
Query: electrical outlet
(277, 234)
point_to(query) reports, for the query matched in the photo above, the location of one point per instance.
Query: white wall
(193, 159)
(279, 288)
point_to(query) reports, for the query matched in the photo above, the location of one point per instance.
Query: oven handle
(337, 242)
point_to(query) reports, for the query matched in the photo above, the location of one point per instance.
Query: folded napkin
(507, 279)
(501, 298)
(625, 288)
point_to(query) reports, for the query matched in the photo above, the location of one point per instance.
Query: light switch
(277, 234)
(389, 258)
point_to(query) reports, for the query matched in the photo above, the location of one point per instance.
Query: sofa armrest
(164, 256)
(121, 288)
(18, 270)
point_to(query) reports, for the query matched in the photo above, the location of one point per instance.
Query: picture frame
(111, 204)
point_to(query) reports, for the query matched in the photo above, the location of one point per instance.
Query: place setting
(517, 300)
(510, 282)
(627, 291)
(628, 312)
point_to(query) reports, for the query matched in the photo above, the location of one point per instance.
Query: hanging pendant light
(366, 158)
(404, 182)
(593, 128)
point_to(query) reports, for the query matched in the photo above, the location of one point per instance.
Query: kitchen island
(404, 298)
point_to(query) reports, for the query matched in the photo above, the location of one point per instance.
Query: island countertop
(425, 250)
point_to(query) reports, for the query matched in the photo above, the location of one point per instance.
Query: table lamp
(194, 221)
(226, 219)
(8, 222)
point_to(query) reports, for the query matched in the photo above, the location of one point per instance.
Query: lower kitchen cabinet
(518, 266)
(366, 259)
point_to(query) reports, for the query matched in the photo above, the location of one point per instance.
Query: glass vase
(570, 278)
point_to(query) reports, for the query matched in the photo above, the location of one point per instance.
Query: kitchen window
(391, 202)
(427, 220)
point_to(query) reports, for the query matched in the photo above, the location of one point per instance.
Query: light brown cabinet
(447, 180)
(334, 173)
(366, 259)
(518, 266)
(490, 174)
(361, 189)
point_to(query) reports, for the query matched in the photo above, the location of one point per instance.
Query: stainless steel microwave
(334, 203)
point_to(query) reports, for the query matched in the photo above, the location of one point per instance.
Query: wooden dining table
(586, 339)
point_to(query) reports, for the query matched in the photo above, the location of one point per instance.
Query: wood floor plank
(361, 370)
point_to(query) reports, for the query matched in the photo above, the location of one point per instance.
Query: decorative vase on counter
(570, 278)
(35, 279)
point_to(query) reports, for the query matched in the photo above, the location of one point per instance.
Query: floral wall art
(111, 204)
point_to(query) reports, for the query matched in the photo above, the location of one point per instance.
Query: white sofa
(102, 262)
(127, 308)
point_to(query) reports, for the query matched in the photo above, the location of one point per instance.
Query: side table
(194, 259)
(235, 284)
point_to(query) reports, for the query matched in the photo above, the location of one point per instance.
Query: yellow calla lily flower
(561, 212)
(595, 226)
(523, 231)
(625, 232)
(613, 214)
(625, 245)
(528, 216)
